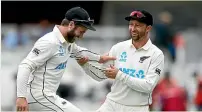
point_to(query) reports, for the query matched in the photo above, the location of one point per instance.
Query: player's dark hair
(65, 22)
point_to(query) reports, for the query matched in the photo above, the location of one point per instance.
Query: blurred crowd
(168, 95)
(18, 36)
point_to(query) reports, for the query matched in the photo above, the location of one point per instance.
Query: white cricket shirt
(47, 62)
(139, 72)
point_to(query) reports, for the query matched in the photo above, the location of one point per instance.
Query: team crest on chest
(62, 51)
(143, 58)
(123, 57)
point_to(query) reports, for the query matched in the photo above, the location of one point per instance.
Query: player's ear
(71, 24)
(148, 29)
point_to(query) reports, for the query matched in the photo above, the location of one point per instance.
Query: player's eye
(131, 24)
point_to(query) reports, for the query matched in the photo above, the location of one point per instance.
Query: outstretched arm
(97, 73)
(80, 52)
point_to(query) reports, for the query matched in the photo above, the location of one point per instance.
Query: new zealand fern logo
(123, 57)
(143, 58)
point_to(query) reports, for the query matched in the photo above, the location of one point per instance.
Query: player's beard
(71, 35)
(139, 35)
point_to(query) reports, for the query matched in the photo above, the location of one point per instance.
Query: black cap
(141, 16)
(80, 16)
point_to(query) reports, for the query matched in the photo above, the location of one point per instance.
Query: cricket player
(39, 74)
(136, 70)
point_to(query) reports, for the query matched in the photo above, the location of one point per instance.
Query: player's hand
(82, 61)
(104, 58)
(21, 104)
(111, 72)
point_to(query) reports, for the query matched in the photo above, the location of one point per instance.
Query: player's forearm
(90, 55)
(86, 53)
(24, 71)
(95, 74)
(142, 85)
(94, 57)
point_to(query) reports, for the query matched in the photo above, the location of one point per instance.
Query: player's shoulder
(156, 51)
(122, 44)
(48, 38)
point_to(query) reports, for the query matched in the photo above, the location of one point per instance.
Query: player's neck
(62, 30)
(141, 43)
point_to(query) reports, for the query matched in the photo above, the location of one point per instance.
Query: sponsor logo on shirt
(36, 51)
(133, 72)
(61, 66)
(158, 71)
(123, 57)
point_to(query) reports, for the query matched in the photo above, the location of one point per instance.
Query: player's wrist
(24, 98)
(118, 75)
(99, 58)
(21, 95)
